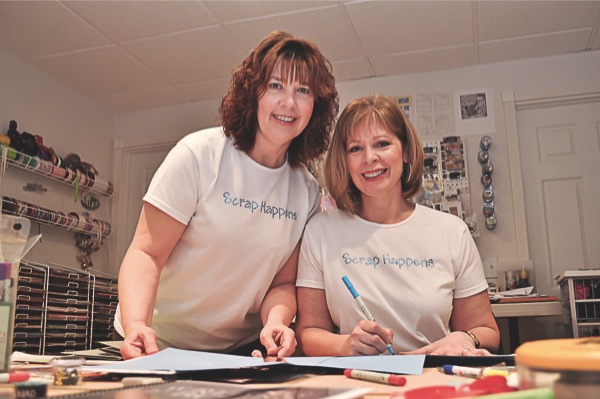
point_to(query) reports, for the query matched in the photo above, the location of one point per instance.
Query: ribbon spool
(487, 168)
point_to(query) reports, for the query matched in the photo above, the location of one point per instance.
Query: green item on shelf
(10, 153)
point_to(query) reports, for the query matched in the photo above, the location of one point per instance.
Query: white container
(570, 366)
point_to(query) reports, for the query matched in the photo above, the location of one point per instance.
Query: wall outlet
(490, 267)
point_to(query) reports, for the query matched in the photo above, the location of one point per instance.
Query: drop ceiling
(135, 55)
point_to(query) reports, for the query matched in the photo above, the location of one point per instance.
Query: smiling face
(375, 160)
(284, 110)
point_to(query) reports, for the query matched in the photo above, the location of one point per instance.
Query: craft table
(513, 308)
(429, 377)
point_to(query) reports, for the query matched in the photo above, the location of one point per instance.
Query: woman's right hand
(367, 338)
(140, 340)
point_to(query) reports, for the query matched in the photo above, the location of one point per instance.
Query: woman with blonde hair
(416, 269)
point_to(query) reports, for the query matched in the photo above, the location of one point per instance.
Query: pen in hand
(362, 305)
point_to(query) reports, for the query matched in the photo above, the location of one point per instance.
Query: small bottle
(511, 280)
(523, 278)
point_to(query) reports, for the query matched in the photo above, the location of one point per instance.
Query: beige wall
(71, 123)
(569, 72)
(68, 123)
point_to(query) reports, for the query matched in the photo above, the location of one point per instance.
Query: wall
(569, 72)
(70, 124)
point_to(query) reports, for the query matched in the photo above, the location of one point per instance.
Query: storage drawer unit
(61, 310)
(580, 291)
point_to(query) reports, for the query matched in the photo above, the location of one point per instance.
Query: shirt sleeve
(174, 187)
(469, 275)
(310, 267)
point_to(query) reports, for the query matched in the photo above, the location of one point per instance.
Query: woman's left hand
(279, 340)
(454, 344)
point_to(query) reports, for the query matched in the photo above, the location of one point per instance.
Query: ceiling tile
(533, 46)
(99, 72)
(132, 55)
(186, 57)
(32, 29)
(423, 61)
(502, 19)
(231, 11)
(596, 41)
(205, 90)
(395, 27)
(126, 20)
(141, 100)
(329, 25)
(352, 70)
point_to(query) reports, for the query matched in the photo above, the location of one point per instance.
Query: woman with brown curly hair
(416, 269)
(212, 264)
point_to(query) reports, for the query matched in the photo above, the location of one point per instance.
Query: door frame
(514, 102)
(123, 152)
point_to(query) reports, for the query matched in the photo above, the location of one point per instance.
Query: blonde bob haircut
(379, 111)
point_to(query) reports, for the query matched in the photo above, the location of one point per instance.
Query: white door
(137, 164)
(560, 158)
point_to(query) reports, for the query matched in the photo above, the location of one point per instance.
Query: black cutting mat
(469, 361)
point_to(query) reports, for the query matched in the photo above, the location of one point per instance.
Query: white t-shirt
(243, 222)
(406, 273)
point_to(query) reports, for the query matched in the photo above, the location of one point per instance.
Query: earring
(409, 172)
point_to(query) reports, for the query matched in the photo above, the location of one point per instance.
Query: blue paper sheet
(179, 360)
(400, 364)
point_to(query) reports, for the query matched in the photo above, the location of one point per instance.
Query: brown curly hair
(381, 111)
(302, 60)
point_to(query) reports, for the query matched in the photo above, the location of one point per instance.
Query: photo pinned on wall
(451, 207)
(453, 160)
(432, 181)
(405, 103)
(445, 181)
(433, 114)
(474, 112)
(473, 106)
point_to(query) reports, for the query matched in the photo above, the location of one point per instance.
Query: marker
(473, 372)
(362, 305)
(382, 378)
(13, 377)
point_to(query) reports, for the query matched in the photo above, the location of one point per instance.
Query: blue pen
(362, 305)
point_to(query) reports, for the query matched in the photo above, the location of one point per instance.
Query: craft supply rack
(580, 291)
(60, 310)
(93, 184)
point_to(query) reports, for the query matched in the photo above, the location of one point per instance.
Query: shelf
(49, 323)
(71, 221)
(578, 274)
(93, 184)
(580, 290)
